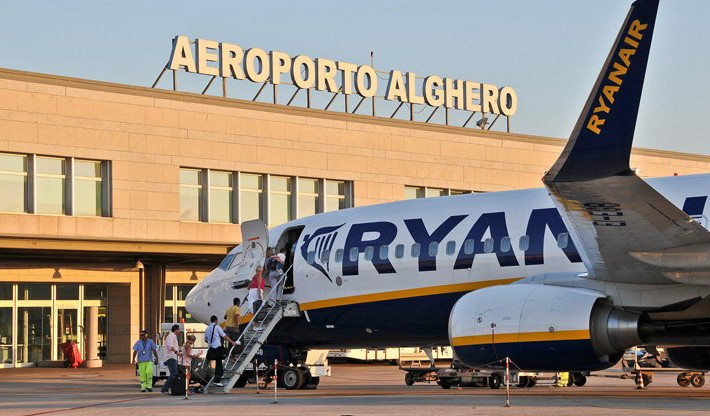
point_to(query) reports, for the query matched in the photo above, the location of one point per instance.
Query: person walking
(172, 348)
(213, 338)
(145, 349)
(188, 356)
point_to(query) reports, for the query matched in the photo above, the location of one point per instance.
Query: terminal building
(121, 198)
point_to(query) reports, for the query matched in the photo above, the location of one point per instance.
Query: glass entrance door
(67, 328)
(6, 336)
(34, 334)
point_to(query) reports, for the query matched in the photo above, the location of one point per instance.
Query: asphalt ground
(351, 390)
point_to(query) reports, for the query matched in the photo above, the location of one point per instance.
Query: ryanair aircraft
(561, 279)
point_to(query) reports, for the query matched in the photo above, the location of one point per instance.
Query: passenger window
(369, 252)
(468, 246)
(399, 251)
(324, 256)
(433, 248)
(562, 240)
(505, 244)
(311, 257)
(339, 255)
(353, 253)
(488, 244)
(450, 248)
(416, 249)
(384, 252)
(524, 243)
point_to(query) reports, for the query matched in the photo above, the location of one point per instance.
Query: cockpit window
(226, 262)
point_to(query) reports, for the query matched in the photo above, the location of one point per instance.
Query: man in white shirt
(171, 352)
(213, 338)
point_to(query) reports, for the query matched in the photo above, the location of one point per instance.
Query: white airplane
(560, 279)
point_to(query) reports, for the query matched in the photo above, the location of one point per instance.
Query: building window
(88, 188)
(414, 192)
(337, 195)
(251, 196)
(308, 197)
(51, 190)
(13, 183)
(221, 196)
(190, 194)
(280, 209)
(434, 192)
(175, 304)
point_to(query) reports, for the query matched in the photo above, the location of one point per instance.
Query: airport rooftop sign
(228, 60)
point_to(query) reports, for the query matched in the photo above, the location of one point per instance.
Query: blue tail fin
(600, 144)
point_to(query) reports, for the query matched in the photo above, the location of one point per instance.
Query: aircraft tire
(697, 380)
(683, 380)
(292, 378)
(495, 381)
(580, 380)
(409, 379)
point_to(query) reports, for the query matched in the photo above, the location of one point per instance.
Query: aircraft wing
(625, 230)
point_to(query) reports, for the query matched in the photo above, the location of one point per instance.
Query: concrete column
(91, 314)
(153, 297)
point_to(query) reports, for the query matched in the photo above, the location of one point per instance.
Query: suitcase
(178, 386)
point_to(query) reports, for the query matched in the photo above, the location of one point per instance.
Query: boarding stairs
(263, 321)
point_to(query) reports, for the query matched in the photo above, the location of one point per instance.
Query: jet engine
(542, 328)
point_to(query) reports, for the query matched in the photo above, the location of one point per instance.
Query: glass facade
(413, 192)
(280, 209)
(337, 195)
(175, 304)
(88, 188)
(13, 183)
(190, 194)
(308, 197)
(37, 318)
(221, 196)
(50, 183)
(251, 196)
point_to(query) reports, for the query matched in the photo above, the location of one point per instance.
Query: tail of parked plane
(600, 144)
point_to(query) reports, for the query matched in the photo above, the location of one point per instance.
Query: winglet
(600, 144)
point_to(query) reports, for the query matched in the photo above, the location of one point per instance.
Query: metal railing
(272, 302)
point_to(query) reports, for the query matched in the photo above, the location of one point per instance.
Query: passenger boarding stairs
(255, 334)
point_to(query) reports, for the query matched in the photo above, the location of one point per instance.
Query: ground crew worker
(143, 349)
(562, 379)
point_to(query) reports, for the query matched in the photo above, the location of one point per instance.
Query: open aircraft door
(255, 241)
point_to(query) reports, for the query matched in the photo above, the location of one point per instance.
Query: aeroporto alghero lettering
(228, 60)
(615, 79)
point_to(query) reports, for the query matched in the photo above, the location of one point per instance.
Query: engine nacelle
(691, 358)
(542, 328)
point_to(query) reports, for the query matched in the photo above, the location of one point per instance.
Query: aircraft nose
(196, 304)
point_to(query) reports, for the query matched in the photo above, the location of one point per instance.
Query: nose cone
(197, 304)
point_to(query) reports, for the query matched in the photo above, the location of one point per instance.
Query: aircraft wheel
(683, 380)
(531, 382)
(570, 379)
(409, 379)
(580, 380)
(522, 381)
(292, 378)
(697, 380)
(495, 381)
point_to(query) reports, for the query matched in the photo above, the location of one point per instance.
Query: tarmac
(351, 390)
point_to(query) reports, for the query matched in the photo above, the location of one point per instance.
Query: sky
(549, 51)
